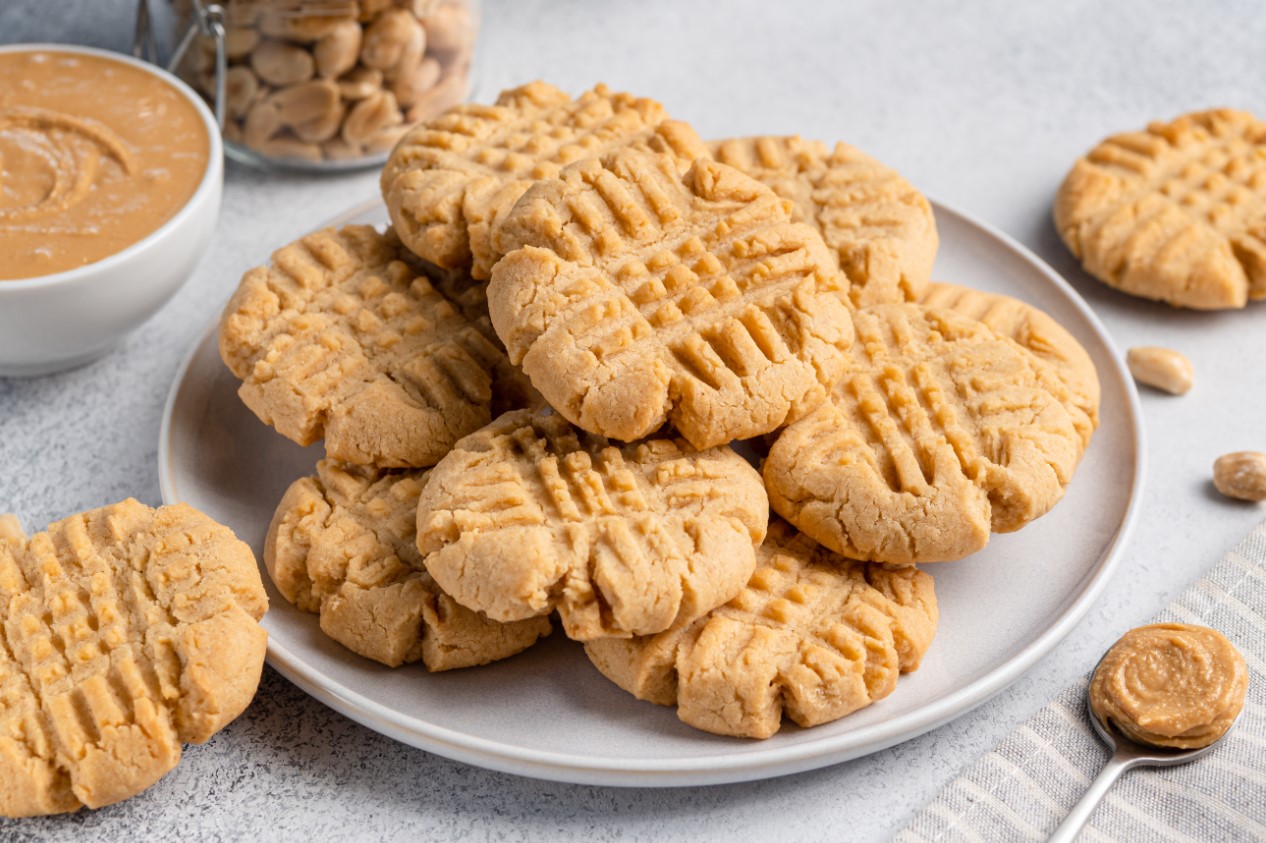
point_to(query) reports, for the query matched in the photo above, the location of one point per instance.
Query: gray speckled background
(983, 105)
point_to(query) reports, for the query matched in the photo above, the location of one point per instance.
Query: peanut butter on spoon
(1165, 694)
(1171, 685)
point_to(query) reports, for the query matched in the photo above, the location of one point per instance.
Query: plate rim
(712, 768)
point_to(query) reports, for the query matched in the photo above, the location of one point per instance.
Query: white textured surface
(983, 105)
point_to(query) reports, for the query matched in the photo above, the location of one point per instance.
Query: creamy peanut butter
(1170, 684)
(95, 154)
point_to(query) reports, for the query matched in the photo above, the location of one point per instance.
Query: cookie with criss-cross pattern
(529, 515)
(450, 179)
(1039, 333)
(813, 636)
(879, 226)
(343, 337)
(343, 544)
(1175, 213)
(632, 295)
(125, 632)
(939, 431)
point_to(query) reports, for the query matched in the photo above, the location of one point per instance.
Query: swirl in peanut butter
(95, 154)
(1170, 685)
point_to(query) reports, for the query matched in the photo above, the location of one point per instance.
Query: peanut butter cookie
(813, 636)
(343, 543)
(1040, 334)
(939, 431)
(126, 632)
(632, 296)
(529, 515)
(341, 337)
(450, 179)
(511, 388)
(1176, 213)
(881, 228)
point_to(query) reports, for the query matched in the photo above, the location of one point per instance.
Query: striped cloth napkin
(1025, 787)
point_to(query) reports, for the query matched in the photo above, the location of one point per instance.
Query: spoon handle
(1080, 814)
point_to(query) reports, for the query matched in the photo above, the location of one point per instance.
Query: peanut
(370, 9)
(241, 87)
(337, 149)
(304, 28)
(338, 49)
(386, 38)
(1162, 368)
(306, 102)
(448, 29)
(238, 43)
(370, 116)
(410, 87)
(359, 83)
(262, 122)
(385, 139)
(1241, 475)
(233, 131)
(284, 146)
(282, 64)
(411, 55)
(341, 84)
(449, 92)
(322, 127)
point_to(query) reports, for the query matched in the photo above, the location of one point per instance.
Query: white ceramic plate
(547, 713)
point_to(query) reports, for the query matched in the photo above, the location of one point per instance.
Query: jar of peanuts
(326, 84)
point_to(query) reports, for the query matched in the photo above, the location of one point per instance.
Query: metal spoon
(1126, 754)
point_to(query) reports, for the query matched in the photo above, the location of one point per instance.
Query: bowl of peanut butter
(111, 172)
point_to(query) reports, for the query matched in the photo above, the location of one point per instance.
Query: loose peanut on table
(1163, 368)
(1241, 475)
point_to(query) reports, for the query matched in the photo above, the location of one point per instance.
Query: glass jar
(327, 84)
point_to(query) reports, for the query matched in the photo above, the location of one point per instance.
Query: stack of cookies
(543, 388)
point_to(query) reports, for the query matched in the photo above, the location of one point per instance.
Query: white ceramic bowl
(58, 321)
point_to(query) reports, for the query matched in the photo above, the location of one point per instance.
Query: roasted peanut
(1241, 475)
(337, 149)
(262, 122)
(284, 146)
(306, 102)
(370, 116)
(233, 131)
(448, 30)
(337, 50)
(241, 87)
(386, 39)
(359, 83)
(1162, 368)
(305, 28)
(410, 56)
(322, 127)
(385, 139)
(238, 42)
(370, 9)
(410, 87)
(449, 92)
(282, 64)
